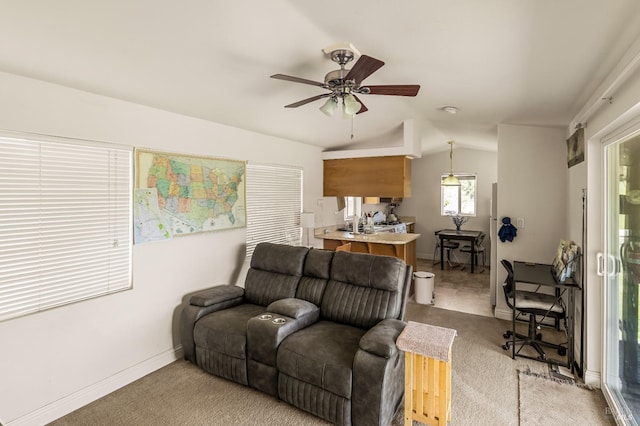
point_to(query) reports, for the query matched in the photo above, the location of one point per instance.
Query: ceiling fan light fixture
(351, 105)
(450, 109)
(329, 107)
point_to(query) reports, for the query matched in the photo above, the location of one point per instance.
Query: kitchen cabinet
(368, 177)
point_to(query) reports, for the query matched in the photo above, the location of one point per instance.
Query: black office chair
(478, 250)
(535, 305)
(448, 246)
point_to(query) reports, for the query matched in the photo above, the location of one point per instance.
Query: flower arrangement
(459, 221)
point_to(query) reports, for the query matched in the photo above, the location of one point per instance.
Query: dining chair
(478, 250)
(449, 247)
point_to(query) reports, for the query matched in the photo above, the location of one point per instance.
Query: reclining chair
(535, 305)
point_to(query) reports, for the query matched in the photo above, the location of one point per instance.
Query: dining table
(460, 235)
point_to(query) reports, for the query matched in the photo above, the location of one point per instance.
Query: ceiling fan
(346, 84)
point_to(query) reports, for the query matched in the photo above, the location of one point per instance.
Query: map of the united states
(194, 194)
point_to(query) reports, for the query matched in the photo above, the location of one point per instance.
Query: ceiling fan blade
(362, 69)
(362, 108)
(297, 80)
(395, 89)
(306, 101)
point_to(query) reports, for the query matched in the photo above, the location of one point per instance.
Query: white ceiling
(532, 62)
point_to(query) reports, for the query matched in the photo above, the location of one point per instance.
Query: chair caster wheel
(507, 334)
(562, 351)
(505, 347)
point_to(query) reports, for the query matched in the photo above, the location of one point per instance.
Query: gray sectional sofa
(314, 328)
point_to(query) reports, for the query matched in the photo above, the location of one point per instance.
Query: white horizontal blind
(274, 203)
(65, 223)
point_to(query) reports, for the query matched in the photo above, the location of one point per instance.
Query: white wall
(56, 361)
(424, 202)
(532, 175)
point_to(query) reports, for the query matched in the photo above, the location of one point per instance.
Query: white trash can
(423, 284)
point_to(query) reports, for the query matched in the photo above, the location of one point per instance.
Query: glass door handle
(611, 260)
(600, 264)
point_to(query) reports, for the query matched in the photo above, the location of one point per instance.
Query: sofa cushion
(275, 273)
(279, 258)
(363, 289)
(226, 331)
(317, 268)
(322, 355)
(364, 270)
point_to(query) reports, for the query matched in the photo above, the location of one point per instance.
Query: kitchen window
(459, 200)
(65, 222)
(353, 206)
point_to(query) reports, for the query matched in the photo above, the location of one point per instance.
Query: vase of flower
(459, 221)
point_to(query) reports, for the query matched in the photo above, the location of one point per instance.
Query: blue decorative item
(507, 232)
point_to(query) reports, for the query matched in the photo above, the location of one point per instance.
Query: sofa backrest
(317, 271)
(274, 273)
(364, 289)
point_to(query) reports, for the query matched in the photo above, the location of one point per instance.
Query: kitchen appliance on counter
(395, 227)
(391, 215)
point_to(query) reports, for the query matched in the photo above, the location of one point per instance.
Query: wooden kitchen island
(398, 245)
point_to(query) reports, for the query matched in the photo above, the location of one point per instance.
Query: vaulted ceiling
(531, 62)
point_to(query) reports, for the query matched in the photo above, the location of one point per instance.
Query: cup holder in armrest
(279, 321)
(265, 317)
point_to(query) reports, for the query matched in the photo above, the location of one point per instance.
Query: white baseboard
(592, 378)
(503, 314)
(84, 396)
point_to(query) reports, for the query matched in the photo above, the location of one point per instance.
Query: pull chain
(352, 127)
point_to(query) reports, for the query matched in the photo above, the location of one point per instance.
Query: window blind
(274, 203)
(65, 222)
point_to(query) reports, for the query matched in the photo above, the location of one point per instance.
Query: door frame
(612, 136)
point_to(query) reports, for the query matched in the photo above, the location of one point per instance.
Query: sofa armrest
(378, 374)
(294, 308)
(203, 303)
(264, 337)
(381, 339)
(216, 295)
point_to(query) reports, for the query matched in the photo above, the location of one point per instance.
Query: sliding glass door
(622, 283)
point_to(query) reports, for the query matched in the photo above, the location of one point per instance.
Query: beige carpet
(548, 401)
(484, 387)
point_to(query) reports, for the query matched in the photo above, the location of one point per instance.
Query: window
(65, 222)
(353, 205)
(274, 204)
(459, 200)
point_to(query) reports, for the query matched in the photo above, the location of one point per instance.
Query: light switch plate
(520, 222)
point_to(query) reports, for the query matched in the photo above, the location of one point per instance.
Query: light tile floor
(460, 290)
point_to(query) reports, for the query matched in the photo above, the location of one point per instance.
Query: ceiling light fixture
(329, 107)
(451, 180)
(350, 105)
(450, 109)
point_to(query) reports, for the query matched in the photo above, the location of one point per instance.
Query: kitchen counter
(402, 246)
(381, 237)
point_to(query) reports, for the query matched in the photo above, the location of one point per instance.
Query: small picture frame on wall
(575, 147)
